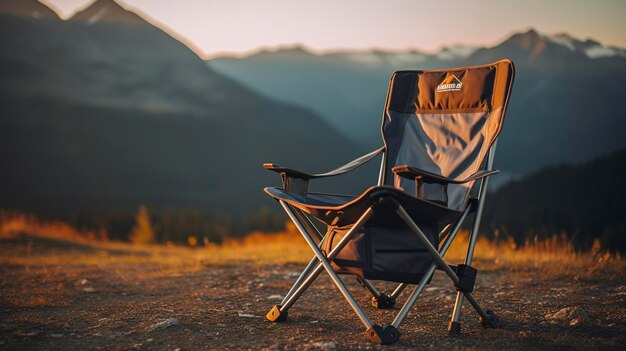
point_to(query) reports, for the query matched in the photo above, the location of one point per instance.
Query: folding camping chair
(439, 131)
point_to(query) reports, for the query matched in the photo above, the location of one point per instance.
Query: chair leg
(373, 332)
(305, 273)
(275, 314)
(398, 290)
(368, 286)
(380, 299)
(487, 318)
(306, 222)
(429, 247)
(404, 311)
(437, 254)
(278, 313)
(454, 327)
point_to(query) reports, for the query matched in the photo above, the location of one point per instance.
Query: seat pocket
(397, 254)
(382, 253)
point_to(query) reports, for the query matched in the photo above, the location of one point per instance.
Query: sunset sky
(240, 26)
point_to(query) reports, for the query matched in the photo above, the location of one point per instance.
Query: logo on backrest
(451, 83)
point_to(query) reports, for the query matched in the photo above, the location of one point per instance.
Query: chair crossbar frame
(322, 262)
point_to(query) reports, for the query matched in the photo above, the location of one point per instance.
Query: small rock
(570, 315)
(150, 340)
(326, 346)
(247, 315)
(275, 297)
(84, 281)
(22, 334)
(574, 322)
(164, 324)
(89, 290)
(56, 335)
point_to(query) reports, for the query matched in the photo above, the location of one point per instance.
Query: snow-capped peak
(456, 52)
(108, 11)
(590, 48)
(562, 39)
(598, 51)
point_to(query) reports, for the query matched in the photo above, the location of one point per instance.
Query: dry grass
(12, 224)
(556, 256)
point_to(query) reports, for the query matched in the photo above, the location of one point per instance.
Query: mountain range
(105, 110)
(565, 106)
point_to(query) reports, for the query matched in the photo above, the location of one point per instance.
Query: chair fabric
(444, 122)
(344, 210)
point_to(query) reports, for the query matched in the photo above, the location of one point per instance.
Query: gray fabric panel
(393, 130)
(453, 145)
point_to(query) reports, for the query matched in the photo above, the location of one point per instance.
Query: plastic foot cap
(492, 322)
(275, 315)
(382, 336)
(454, 329)
(383, 301)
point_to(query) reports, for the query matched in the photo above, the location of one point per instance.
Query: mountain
(27, 9)
(564, 107)
(108, 11)
(586, 201)
(105, 111)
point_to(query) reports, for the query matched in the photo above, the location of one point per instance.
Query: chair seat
(342, 210)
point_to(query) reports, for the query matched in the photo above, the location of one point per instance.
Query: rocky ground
(117, 306)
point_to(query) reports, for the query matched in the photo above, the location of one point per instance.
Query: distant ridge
(586, 201)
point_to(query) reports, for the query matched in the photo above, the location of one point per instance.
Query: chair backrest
(444, 122)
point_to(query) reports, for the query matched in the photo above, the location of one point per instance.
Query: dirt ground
(119, 306)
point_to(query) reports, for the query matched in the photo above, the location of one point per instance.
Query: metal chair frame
(322, 262)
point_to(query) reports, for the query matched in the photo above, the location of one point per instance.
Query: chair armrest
(420, 174)
(291, 172)
(298, 181)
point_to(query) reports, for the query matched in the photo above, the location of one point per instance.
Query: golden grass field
(554, 254)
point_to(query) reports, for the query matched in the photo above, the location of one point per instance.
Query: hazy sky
(239, 26)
